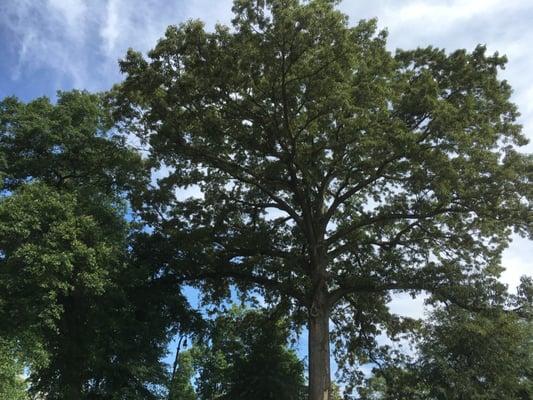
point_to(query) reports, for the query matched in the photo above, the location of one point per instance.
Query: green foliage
(85, 305)
(476, 356)
(332, 171)
(52, 249)
(245, 356)
(12, 385)
(181, 386)
(66, 145)
(66, 283)
(463, 354)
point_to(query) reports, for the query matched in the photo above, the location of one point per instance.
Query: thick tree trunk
(319, 369)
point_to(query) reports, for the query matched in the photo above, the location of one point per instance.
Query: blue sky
(51, 45)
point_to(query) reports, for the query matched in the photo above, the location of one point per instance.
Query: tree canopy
(87, 317)
(463, 354)
(332, 171)
(12, 384)
(243, 354)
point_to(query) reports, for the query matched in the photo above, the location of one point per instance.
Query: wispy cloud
(135, 23)
(110, 31)
(73, 14)
(77, 42)
(44, 37)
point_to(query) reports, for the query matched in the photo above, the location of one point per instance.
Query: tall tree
(332, 172)
(90, 316)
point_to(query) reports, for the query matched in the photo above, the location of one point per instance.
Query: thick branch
(342, 233)
(243, 276)
(254, 180)
(370, 286)
(386, 244)
(339, 198)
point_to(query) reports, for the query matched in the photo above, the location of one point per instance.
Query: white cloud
(441, 16)
(517, 260)
(405, 305)
(110, 30)
(79, 43)
(211, 12)
(46, 37)
(73, 12)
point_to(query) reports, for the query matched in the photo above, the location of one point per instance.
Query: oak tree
(331, 172)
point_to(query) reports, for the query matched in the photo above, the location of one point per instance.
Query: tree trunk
(319, 369)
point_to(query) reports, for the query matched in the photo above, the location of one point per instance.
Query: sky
(50, 45)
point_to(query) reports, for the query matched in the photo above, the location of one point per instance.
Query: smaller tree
(464, 354)
(477, 356)
(181, 387)
(67, 145)
(244, 356)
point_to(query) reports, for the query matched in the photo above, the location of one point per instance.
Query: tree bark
(318, 342)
